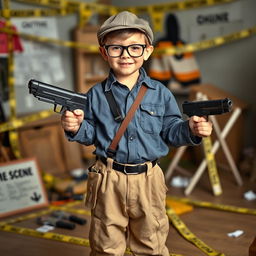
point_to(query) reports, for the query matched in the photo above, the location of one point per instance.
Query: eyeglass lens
(134, 50)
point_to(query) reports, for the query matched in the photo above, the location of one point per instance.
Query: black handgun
(54, 222)
(207, 107)
(69, 100)
(66, 216)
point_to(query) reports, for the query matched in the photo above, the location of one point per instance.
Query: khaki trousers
(127, 211)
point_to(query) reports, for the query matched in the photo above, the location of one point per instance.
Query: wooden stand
(231, 121)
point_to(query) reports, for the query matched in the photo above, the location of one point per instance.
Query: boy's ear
(148, 51)
(103, 53)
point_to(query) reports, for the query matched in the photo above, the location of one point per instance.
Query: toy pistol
(68, 100)
(55, 222)
(207, 107)
(66, 216)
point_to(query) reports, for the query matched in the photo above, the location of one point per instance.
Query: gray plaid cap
(124, 20)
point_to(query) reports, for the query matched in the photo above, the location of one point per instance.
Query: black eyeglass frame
(106, 47)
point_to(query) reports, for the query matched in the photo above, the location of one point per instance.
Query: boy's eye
(135, 47)
(116, 48)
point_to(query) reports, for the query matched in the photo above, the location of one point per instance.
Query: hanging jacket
(166, 67)
(181, 67)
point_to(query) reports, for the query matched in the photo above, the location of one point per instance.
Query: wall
(230, 67)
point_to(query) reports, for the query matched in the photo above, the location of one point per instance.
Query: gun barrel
(207, 107)
(56, 95)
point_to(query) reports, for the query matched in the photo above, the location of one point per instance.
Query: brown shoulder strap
(112, 148)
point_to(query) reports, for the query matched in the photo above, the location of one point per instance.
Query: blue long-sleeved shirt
(156, 124)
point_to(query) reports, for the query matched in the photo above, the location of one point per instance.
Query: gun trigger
(57, 108)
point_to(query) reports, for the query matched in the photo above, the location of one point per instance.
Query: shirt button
(131, 137)
(152, 112)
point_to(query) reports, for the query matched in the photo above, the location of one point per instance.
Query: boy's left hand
(200, 126)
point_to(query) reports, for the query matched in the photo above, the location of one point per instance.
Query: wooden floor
(211, 226)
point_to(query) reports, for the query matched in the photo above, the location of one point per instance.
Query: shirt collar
(143, 78)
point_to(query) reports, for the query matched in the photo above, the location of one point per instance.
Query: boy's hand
(71, 121)
(200, 126)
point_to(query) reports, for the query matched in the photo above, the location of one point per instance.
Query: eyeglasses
(134, 50)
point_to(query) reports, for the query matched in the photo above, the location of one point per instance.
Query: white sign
(21, 187)
(41, 61)
(218, 20)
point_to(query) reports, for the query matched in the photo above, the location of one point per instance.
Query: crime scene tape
(212, 169)
(13, 135)
(206, 44)
(188, 235)
(86, 10)
(106, 9)
(14, 142)
(19, 122)
(53, 236)
(193, 47)
(155, 11)
(178, 224)
(46, 235)
(7, 13)
(41, 39)
(210, 158)
(210, 205)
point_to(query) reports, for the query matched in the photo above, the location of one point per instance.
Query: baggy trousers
(127, 211)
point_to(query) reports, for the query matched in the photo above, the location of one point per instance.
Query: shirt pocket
(151, 117)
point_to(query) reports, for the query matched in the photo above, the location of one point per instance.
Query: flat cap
(124, 20)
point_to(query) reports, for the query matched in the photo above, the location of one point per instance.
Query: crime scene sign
(21, 187)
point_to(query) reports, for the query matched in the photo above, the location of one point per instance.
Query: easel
(221, 135)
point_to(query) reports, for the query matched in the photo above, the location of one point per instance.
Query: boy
(126, 193)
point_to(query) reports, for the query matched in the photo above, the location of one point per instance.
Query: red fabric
(3, 40)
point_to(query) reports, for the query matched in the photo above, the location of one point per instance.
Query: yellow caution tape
(206, 44)
(84, 15)
(41, 39)
(34, 13)
(14, 142)
(73, 6)
(212, 169)
(52, 236)
(19, 122)
(222, 207)
(13, 135)
(188, 235)
(176, 221)
(46, 235)
(104, 9)
(193, 47)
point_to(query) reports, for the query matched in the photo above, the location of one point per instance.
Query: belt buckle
(129, 173)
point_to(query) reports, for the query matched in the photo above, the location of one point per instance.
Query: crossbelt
(128, 169)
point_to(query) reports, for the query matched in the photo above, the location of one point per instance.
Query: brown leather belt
(128, 169)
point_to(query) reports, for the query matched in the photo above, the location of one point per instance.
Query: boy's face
(125, 65)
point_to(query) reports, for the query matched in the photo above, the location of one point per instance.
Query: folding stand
(221, 135)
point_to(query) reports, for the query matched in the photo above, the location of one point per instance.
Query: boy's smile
(125, 67)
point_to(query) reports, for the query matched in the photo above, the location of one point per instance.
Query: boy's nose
(125, 53)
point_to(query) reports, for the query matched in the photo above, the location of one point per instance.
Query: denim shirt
(156, 125)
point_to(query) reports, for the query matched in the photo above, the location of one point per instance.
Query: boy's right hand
(71, 121)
